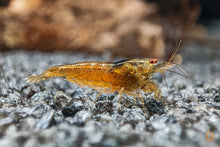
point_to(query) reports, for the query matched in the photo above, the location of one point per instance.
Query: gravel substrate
(58, 113)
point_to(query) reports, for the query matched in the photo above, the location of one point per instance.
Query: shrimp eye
(152, 61)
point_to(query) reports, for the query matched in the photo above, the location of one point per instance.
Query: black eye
(151, 61)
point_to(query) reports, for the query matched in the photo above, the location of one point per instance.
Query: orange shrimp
(129, 76)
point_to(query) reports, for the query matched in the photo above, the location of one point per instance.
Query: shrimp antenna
(183, 70)
(177, 73)
(164, 76)
(174, 51)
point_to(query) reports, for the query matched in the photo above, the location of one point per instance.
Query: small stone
(155, 107)
(110, 142)
(217, 98)
(104, 106)
(201, 98)
(199, 83)
(180, 85)
(28, 123)
(69, 111)
(126, 128)
(61, 99)
(134, 116)
(45, 120)
(29, 91)
(190, 111)
(170, 120)
(8, 143)
(80, 118)
(11, 130)
(21, 139)
(41, 96)
(10, 119)
(4, 92)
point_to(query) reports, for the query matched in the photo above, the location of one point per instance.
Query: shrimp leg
(135, 95)
(152, 87)
(119, 102)
(119, 99)
(74, 81)
(97, 97)
(101, 91)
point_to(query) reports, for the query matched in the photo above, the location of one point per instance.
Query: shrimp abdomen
(51, 72)
(37, 78)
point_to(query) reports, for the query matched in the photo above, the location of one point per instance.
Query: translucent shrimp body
(129, 77)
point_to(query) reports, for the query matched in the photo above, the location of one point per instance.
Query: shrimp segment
(126, 76)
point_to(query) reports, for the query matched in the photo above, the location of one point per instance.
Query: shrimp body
(124, 76)
(129, 77)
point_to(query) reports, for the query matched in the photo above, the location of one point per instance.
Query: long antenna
(174, 51)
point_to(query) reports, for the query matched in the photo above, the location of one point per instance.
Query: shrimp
(129, 76)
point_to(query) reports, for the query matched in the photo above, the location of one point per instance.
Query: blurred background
(128, 28)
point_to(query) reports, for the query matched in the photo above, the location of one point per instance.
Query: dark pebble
(71, 110)
(155, 107)
(217, 98)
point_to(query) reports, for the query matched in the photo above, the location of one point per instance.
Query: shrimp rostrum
(130, 76)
